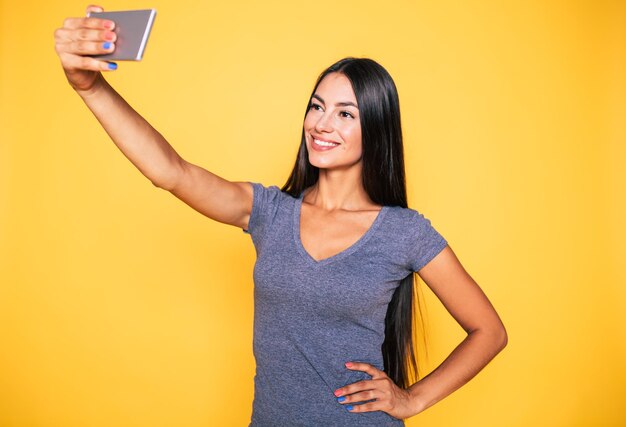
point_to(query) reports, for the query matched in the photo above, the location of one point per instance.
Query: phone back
(132, 28)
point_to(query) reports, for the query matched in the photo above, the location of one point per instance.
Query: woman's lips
(321, 145)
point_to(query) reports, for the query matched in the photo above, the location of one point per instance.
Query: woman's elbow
(496, 336)
(502, 337)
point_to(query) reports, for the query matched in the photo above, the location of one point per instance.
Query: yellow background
(121, 306)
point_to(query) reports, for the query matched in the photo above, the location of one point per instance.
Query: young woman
(337, 248)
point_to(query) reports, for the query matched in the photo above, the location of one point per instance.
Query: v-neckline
(347, 251)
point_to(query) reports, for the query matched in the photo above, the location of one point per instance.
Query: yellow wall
(121, 306)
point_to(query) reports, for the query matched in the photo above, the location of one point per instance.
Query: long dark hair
(384, 181)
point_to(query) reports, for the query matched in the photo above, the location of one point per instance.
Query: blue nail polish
(112, 66)
(107, 45)
(349, 407)
(341, 399)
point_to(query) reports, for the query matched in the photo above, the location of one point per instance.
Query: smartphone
(132, 28)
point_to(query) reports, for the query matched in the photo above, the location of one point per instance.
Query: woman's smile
(323, 145)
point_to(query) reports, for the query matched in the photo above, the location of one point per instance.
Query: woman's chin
(328, 166)
(317, 162)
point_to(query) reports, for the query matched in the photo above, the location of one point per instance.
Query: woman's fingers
(75, 62)
(94, 8)
(63, 35)
(365, 407)
(364, 396)
(92, 23)
(357, 387)
(85, 48)
(378, 394)
(372, 371)
(85, 36)
(367, 368)
(361, 396)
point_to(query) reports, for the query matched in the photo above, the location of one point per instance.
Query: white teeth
(324, 143)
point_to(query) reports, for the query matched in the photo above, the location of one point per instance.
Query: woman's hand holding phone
(80, 37)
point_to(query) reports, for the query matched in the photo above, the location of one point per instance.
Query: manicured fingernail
(107, 45)
(349, 407)
(112, 66)
(337, 392)
(108, 24)
(341, 399)
(348, 365)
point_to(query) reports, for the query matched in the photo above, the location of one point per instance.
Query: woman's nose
(324, 124)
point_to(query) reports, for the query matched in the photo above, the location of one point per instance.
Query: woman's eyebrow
(338, 104)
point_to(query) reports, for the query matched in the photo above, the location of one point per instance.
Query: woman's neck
(339, 189)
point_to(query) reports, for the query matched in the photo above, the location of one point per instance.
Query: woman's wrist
(419, 399)
(97, 86)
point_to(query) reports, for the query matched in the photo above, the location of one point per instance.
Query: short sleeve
(265, 204)
(425, 241)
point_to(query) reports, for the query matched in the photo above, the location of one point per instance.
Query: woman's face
(332, 127)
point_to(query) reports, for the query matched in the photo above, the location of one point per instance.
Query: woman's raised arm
(217, 198)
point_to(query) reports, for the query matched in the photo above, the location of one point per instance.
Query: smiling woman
(333, 125)
(337, 248)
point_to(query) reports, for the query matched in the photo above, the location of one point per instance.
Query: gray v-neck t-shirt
(311, 317)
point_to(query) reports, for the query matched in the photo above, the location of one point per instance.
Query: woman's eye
(314, 107)
(347, 114)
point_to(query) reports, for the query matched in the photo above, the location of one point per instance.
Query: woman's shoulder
(270, 198)
(269, 191)
(267, 204)
(407, 219)
(400, 213)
